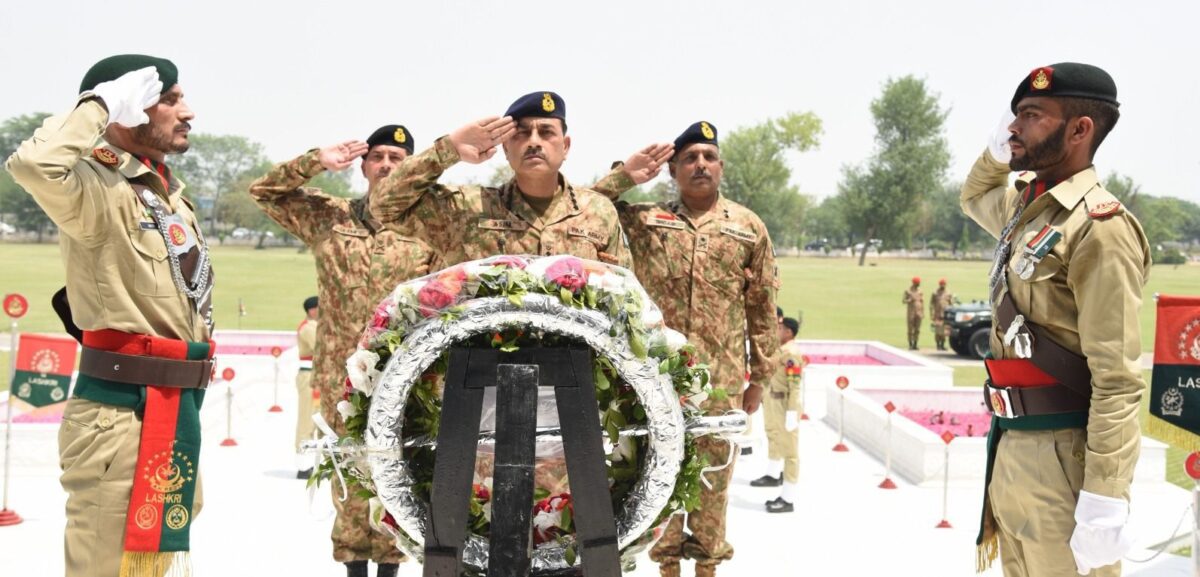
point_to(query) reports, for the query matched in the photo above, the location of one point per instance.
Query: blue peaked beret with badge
(114, 67)
(1067, 79)
(542, 104)
(699, 132)
(391, 135)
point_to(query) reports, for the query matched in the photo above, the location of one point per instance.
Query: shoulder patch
(106, 157)
(1104, 209)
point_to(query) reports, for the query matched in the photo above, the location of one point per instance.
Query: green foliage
(214, 167)
(26, 214)
(757, 175)
(882, 198)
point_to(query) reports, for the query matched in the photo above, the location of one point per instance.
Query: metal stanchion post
(275, 408)
(227, 375)
(887, 469)
(840, 447)
(947, 436)
(803, 389)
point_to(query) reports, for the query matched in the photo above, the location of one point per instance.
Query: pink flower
(510, 262)
(381, 318)
(568, 273)
(347, 388)
(436, 295)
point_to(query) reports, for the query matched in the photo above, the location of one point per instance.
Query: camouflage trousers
(353, 538)
(706, 544)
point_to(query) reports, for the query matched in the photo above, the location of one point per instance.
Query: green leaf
(602, 383)
(540, 493)
(566, 521)
(569, 554)
(515, 299)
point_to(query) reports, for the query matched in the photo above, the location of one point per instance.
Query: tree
(826, 221)
(946, 221)
(27, 215)
(757, 175)
(882, 198)
(211, 167)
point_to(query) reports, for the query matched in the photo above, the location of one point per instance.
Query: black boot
(356, 569)
(386, 569)
(767, 481)
(779, 506)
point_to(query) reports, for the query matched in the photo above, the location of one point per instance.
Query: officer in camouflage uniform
(537, 212)
(1065, 384)
(938, 303)
(915, 300)
(709, 265)
(358, 263)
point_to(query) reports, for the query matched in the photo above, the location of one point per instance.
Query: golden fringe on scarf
(1172, 435)
(986, 553)
(156, 564)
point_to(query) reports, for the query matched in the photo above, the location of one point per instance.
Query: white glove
(791, 422)
(129, 96)
(1101, 535)
(998, 143)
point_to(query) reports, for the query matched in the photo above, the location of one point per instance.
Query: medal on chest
(1035, 250)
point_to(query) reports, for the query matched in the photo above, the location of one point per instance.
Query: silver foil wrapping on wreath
(394, 481)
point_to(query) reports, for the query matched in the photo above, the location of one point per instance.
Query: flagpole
(7, 516)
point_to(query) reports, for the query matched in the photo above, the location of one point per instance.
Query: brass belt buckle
(1000, 401)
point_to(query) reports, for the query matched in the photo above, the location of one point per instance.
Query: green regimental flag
(44, 367)
(1175, 385)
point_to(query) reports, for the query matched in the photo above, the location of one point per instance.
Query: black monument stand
(517, 376)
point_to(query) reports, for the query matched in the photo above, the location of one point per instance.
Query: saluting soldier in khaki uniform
(915, 300)
(709, 265)
(307, 396)
(138, 285)
(938, 303)
(537, 212)
(1065, 385)
(359, 262)
(781, 416)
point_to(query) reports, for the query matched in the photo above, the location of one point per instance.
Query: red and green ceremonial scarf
(1175, 385)
(164, 484)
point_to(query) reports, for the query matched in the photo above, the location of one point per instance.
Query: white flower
(406, 294)
(614, 283)
(376, 509)
(623, 450)
(675, 339)
(652, 317)
(347, 410)
(543, 521)
(538, 267)
(596, 281)
(360, 367)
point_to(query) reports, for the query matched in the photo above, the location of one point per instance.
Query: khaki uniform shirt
(306, 338)
(914, 298)
(938, 303)
(790, 356)
(358, 262)
(713, 275)
(472, 222)
(1086, 294)
(118, 275)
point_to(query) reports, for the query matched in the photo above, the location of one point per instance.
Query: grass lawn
(838, 298)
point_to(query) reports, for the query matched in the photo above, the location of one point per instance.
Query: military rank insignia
(399, 135)
(1035, 250)
(1041, 78)
(706, 130)
(1104, 209)
(105, 156)
(547, 102)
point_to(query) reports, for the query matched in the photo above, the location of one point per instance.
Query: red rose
(482, 493)
(381, 318)
(435, 296)
(568, 273)
(347, 388)
(389, 520)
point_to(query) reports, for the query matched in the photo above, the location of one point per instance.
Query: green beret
(1070, 79)
(391, 135)
(114, 67)
(699, 132)
(310, 303)
(543, 104)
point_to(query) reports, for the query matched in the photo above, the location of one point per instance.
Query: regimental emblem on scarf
(166, 472)
(1172, 403)
(1189, 340)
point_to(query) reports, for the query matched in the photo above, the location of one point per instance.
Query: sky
(302, 74)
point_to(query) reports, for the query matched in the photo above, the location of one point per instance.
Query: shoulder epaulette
(1101, 203)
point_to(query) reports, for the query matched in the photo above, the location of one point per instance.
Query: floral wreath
(520, 282)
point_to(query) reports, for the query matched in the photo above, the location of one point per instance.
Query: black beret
(778, 312)
(792, 324)
(114, 67)
(310, 303)
(544, 104)
(699, 132)
(391, 135)
(1067, 79)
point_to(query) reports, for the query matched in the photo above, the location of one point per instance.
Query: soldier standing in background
(307, 396)
(938, 303)
(358, 262)
(915, 300)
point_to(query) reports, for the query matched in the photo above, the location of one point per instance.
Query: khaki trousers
(782, 444)
(1035, 484)
(305, 407)
(97, 450)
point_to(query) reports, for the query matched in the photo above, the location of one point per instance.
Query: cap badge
(1041, 79)
(399, 136)
(547, 102)
(706, 130)
(105, 156)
